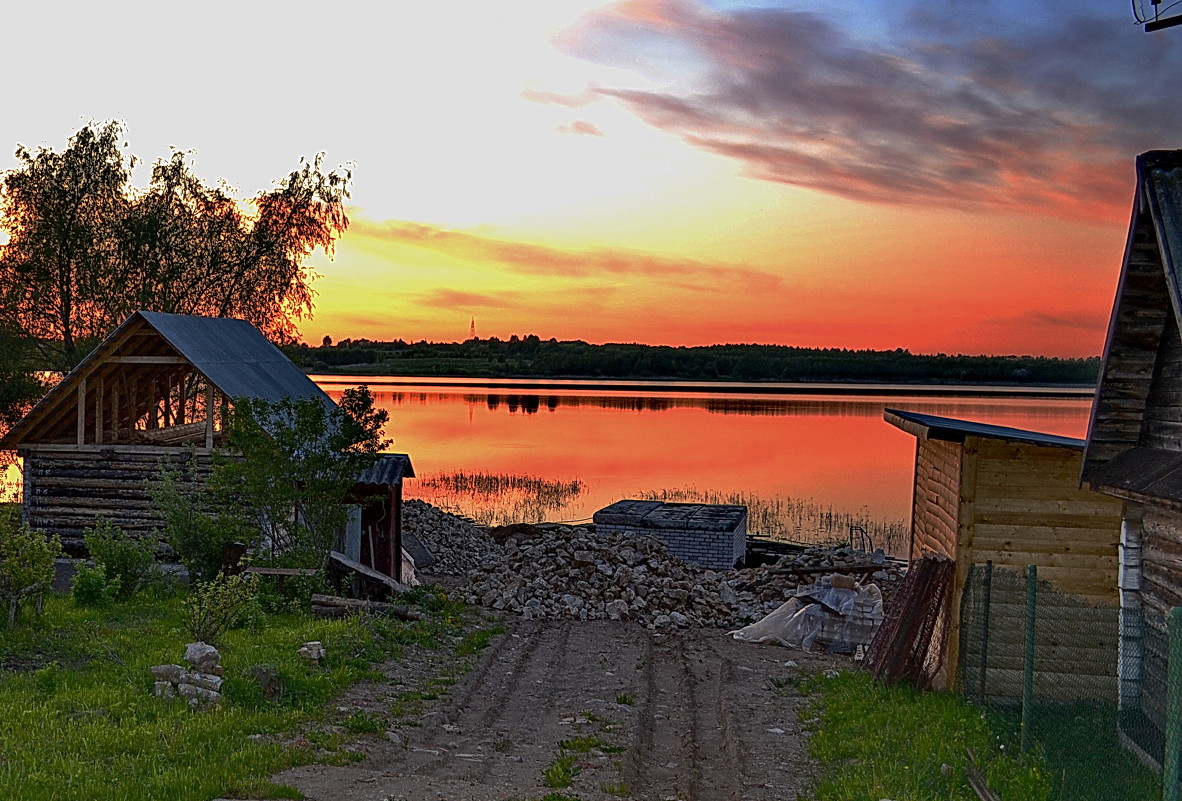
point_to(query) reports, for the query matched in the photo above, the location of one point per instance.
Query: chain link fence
(1043, 665)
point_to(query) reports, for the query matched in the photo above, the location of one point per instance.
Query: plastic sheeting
(829, 618)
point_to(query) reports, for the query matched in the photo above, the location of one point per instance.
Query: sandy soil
(693, 716)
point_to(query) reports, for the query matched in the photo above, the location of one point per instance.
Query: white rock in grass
(203, 657)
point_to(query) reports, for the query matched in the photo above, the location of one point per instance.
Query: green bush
(129, 563)
(91, 588)
(196, 536)
(220, 604)
(26, 556)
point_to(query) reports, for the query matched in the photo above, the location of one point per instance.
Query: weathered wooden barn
(1134, 448)
(992, 494)
(155, 394)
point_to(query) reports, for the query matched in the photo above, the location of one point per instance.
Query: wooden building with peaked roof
(156, 393)
(1134, 446)
(988, 494)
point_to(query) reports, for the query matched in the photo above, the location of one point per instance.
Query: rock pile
(200, 684)
(575, 574)
(765, 588)
(457, 544)
(556, 571)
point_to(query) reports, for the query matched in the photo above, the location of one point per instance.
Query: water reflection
(833, 449)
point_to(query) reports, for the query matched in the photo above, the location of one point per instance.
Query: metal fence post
(1028, 668)
(987, 591)
(1170, 758)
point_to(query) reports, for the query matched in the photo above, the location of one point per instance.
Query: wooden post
(98, 413)
(82, 411)
(208, 415)
(1028, 668)
(1170, 759)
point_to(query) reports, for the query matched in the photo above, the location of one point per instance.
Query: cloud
(533, 259)
(454, 298)
(581, 128)
(1043, 113)
(576, 100)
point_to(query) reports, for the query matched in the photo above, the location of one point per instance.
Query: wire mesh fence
(1044, 665)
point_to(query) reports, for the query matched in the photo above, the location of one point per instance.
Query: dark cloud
(529, 258)
(1024, 112)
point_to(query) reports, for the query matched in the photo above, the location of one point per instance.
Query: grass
(78, 718)
(562, 771)
(495, 499)
(799, 520)
(879, 742)
(1082, 753)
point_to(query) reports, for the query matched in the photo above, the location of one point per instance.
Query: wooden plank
(366, 572)
(146, 360)
(82, 411)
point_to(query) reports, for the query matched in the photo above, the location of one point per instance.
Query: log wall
(68, 490)
(935, 511)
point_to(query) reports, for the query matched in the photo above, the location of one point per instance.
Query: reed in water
(495, 499)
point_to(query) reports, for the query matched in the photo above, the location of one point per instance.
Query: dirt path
(693, 716)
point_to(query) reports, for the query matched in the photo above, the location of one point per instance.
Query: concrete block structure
(709, 535)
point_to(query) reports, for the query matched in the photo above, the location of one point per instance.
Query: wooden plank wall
(66, 491)
(935, 513)
(1163, 413)
(1075, 652)
(1028, 509)
(1143, 307)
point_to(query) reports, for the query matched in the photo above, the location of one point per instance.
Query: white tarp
(835, 619)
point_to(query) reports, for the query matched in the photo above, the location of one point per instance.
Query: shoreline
(719, 387)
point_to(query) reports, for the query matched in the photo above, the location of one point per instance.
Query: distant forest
(532, 357)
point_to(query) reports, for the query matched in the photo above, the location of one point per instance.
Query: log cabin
(993, 494)
(1134, 445)
(156, 394)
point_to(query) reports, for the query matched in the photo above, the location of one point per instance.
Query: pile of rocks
(457, 545)
(576, 574)
(200, 684)
(555, 571)
(764, 588)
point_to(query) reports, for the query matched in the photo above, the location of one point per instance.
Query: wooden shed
(155, 393)
(985, 493)
(1134, 448)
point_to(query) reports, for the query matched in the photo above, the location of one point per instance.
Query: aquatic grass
(796, 520)
(495, 499)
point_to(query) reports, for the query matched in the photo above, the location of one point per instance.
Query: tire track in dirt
(684, 742)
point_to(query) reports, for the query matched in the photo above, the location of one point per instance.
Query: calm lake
(816, 459)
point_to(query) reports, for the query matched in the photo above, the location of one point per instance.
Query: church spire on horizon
(472, 329)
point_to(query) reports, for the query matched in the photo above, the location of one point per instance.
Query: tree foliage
(85, 248)
(291, 466)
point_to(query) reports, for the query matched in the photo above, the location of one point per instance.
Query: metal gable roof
(928, 426)
(235, 357)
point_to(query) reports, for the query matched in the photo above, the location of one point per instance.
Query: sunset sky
(951, 176)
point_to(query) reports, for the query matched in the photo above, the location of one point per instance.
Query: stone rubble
(561, 571)
(200, 684)
(457, 544)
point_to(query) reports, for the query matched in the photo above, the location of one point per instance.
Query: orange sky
(862, 174)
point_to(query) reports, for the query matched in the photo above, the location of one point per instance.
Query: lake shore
(720, 387)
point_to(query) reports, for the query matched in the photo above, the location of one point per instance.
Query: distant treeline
(532, 357)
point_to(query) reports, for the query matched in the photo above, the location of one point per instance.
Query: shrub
(91, 587)
(219, 604)
(196, 536)
(129, 563)
(26, 556)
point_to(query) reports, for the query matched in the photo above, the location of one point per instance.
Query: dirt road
(621, 712)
